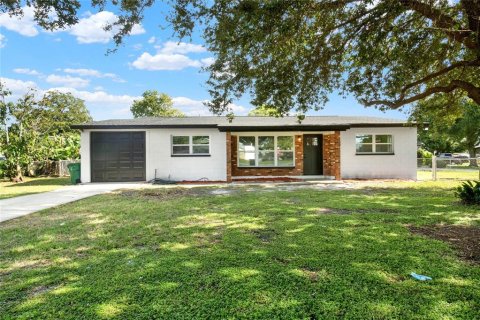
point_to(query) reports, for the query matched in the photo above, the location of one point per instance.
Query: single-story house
(217, 149)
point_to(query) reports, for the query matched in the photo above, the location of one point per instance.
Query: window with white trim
(190, 145)
(266, 151)
(374, 143)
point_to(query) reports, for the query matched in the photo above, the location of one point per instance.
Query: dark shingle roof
(246, 123)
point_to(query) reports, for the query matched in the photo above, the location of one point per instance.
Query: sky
(75, 60)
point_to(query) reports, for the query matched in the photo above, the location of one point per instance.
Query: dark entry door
(117, 156)
(312, 154)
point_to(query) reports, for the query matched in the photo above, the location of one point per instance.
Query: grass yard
(449, 174)
(254, 253)
(30, 186)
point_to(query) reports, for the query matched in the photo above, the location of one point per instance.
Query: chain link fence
(438, 168)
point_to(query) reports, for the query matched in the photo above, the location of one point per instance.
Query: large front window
(266, 151)
(374, 144)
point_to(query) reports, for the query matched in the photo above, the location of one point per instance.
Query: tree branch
(472, 91)
(473, 63)
(442, 21)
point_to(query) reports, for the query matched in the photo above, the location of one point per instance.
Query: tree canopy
(268, 111)
(448, 125)
(154, 104)
(39, 129)
(292, 54)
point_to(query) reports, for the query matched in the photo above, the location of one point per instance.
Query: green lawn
(449, 174)
(31, 185)
(256, 253)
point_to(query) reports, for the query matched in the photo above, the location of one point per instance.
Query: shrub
(424, 158)
(422, 153)
(469, 192)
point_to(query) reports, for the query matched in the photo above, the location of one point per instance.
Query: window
(266, 151)
(374, 143)
(246, 151)
(190, 145)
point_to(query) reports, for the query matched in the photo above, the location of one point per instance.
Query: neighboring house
(212, 148)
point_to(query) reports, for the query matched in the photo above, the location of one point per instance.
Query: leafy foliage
(268, 111)
(154, 104)
(292, 54)
(467, 128)
(39, 129)
(469, 192)
(447, 125)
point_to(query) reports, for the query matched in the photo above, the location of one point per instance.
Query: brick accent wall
(331, 155)
(229, 156)
(270, 171)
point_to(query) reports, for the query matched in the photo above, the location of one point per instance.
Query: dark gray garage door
(117, 156)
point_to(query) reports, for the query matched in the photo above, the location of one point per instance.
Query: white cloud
(25, 25)
(164, 62)
(30, 72)
(207, 61)
(152, 40)
(18, 87)
(172, 56)
(99, 97)
(172, 47)
(93, 73)
(238, 109)
(88, 30)
(91, 29)
(84, 72)
(69, 81)
(2, 40)
(121, 103)
(193, 107)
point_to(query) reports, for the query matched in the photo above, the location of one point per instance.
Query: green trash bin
(74, 169)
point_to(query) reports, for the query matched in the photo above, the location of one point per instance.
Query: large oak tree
(293, 54)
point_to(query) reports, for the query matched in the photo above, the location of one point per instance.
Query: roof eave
(141, 126)
(284, 128)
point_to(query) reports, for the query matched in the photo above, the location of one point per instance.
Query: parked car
(447, 159)
(445, 155)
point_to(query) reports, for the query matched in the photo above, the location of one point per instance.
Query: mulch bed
(162, 194)
(201, 182)
(465, 239)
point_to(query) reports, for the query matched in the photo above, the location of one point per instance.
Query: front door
(312, 154)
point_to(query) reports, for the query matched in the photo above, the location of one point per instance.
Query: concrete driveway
(20, 206)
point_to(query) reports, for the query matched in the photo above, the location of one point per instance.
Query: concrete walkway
(20, 206)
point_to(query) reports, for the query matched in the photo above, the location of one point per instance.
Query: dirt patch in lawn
(163, 194)
(352, 211)
(41, 290)
(465, 239)
(264, 235)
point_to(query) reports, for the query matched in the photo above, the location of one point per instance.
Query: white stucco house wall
(215, 149)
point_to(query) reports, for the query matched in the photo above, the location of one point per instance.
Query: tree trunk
(473, 159)
(18, 177)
